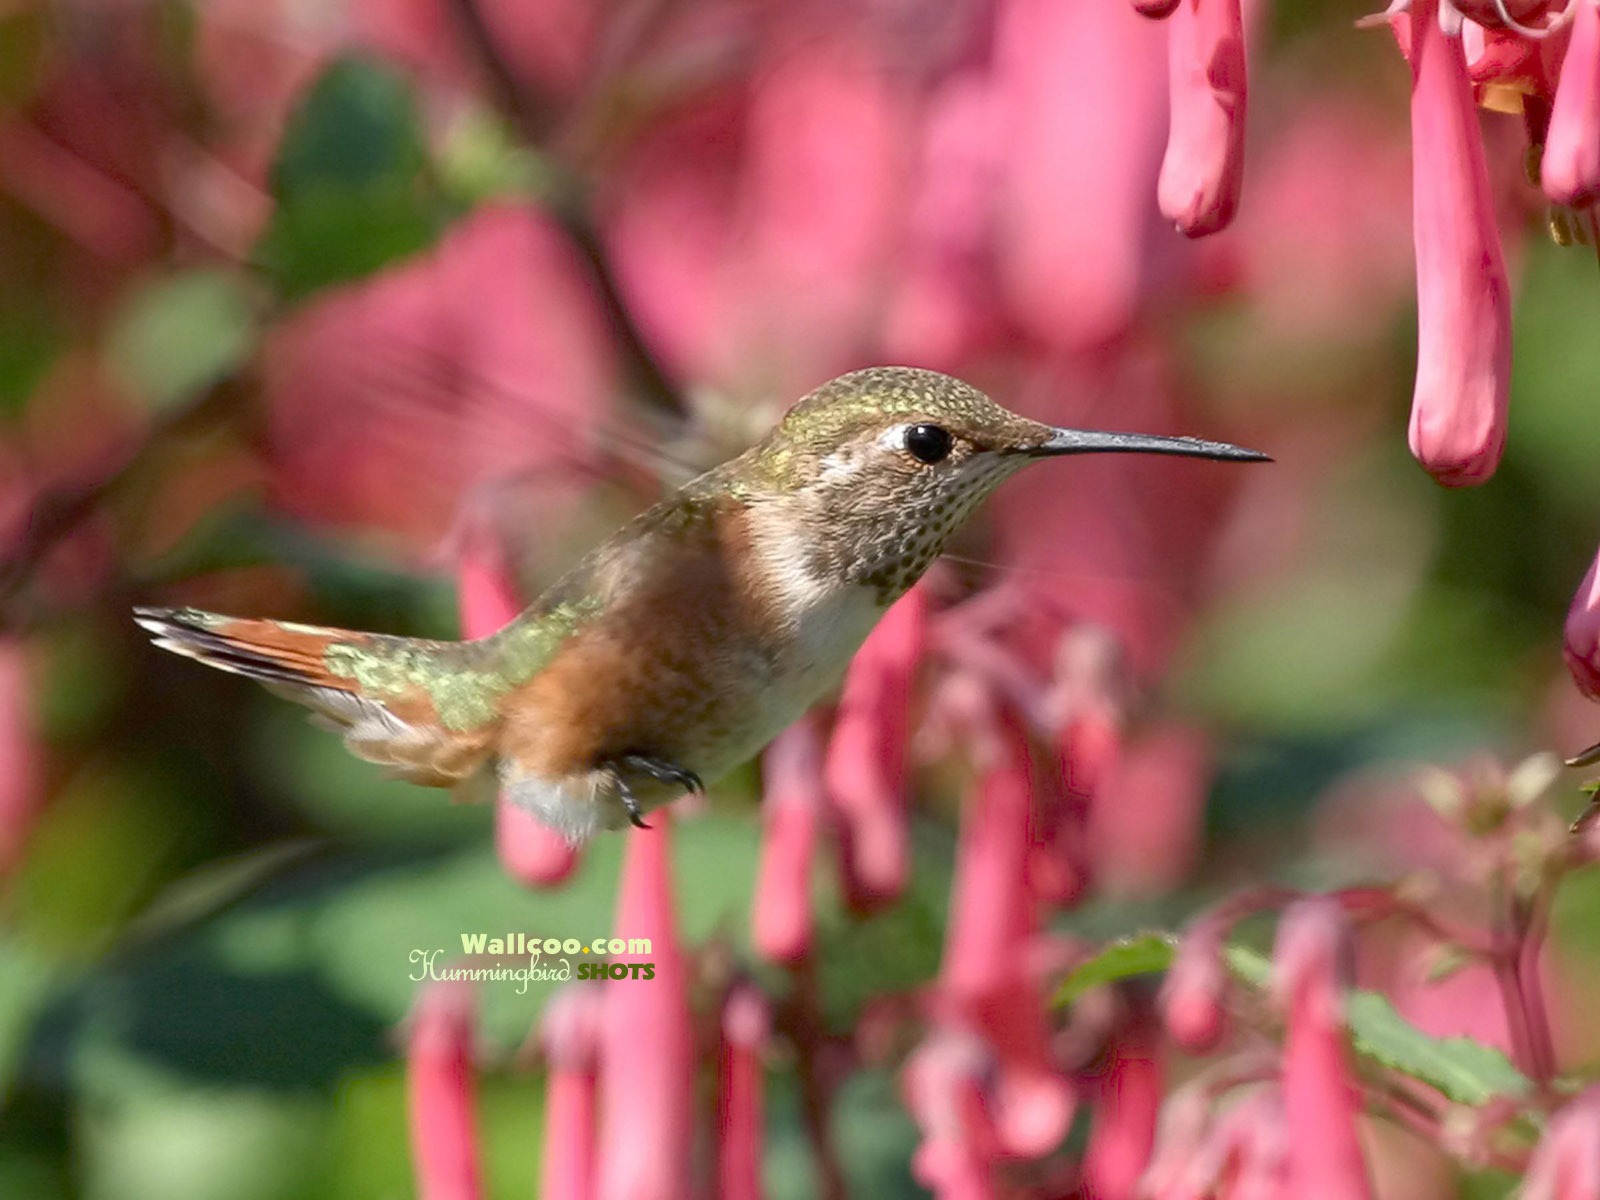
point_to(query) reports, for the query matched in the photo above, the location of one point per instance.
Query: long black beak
(1091, 441)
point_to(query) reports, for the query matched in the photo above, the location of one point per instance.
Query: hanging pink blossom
(866, 759)
(1319, 1088)
(1582, 648)
(1458, 410)
(1125, 1110)
(444, 1136)
(647, 1040)
(746, 1026)
(985, 977)
(1204, 165)
(530, 850)
(1570, 167)
(19, 755)
(781, 922)
(570, 1036)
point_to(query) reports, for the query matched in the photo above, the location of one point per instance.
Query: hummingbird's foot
(630, 802)
(664, 771)
(636, 815)
(658, 769)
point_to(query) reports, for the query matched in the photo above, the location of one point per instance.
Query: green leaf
(175, 336)
(350, 180)
(1464, 1070)
(1139, 954)
(357, 125)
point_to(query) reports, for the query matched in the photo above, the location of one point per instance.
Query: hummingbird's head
(880, 466)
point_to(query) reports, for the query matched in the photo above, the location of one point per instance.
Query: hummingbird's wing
(423, 709)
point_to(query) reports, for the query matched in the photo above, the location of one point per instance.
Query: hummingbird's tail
(408, 704)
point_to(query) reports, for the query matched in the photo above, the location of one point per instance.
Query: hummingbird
(687, 641)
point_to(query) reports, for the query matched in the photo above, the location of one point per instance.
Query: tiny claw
(665, 772)
(631, 803)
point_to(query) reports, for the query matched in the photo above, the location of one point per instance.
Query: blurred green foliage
(351, 182)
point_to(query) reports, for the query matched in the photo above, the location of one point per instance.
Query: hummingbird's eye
(928, 443)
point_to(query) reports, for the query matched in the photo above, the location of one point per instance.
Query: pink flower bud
(1582, 649)
(1566, 1163)
(647, 1040)
(1570, 168)
(1458, 409)
(781, 919)
(1309, 975)
(444, 1135)
(530, 851)
(570, 1032)
(865, 767)
(746, 1026)
(1204, 165)
(1156, 10)
(1193, 993)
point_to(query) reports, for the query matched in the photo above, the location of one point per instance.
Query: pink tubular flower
(1204, 164)
(1458, 410)
(1582, 649)
(985, 982)
(746, 1026)
(781, 917)
(865, 767)
(1319, 1094)
(1196, 985)
(439, 1086)
(646, 1039)
(1570, 167)
(1125, 1113)
(530, 850)
(570, 1032)
(1566, 1163)
(18, 755)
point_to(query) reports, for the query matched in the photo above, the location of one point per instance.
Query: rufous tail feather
(389, 719)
